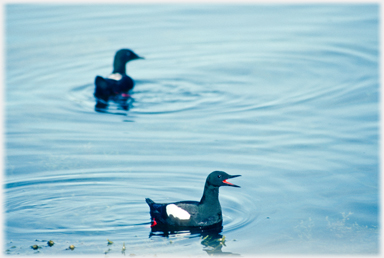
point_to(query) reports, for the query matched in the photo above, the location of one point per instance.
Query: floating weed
(35, 247)
(304, 229)
(338, 227)
(123, 249)
(352, 231)
(336, 234)
(213, 243)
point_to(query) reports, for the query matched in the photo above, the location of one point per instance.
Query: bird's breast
(115, 76)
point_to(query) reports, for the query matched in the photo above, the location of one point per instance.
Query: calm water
(285, 95)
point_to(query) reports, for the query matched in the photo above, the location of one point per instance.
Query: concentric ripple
(103, 203)
(158, 97)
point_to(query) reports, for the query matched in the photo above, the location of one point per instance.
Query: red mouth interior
(226, 182)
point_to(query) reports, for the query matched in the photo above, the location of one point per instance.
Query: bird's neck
(210, 195)
(118, 67)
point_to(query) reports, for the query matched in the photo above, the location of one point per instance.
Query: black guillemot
(187, 214)
(117, 84)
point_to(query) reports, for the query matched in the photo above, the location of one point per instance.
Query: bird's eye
(219, 176)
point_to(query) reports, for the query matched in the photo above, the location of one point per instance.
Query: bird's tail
(149, 201)
(100, 82)
(101, 93)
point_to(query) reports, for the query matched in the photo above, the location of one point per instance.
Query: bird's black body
(116, 86)
(186, 214)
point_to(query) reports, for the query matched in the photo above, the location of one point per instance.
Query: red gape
(226, 182)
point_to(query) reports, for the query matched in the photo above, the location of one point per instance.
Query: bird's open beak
(230, 184)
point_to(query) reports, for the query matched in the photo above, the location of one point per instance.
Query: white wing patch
(115, 76)
(177, 212)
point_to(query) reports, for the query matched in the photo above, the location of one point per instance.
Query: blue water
(285, 95)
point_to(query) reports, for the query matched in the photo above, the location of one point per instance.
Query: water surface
(285, 95)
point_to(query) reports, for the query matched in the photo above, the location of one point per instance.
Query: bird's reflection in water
(122, 101)
(211, 238)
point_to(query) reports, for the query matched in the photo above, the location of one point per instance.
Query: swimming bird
(187, 214)
(118, 83)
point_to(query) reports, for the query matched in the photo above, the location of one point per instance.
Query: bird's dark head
(219, 178)
(122, 57)
(126, 55)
